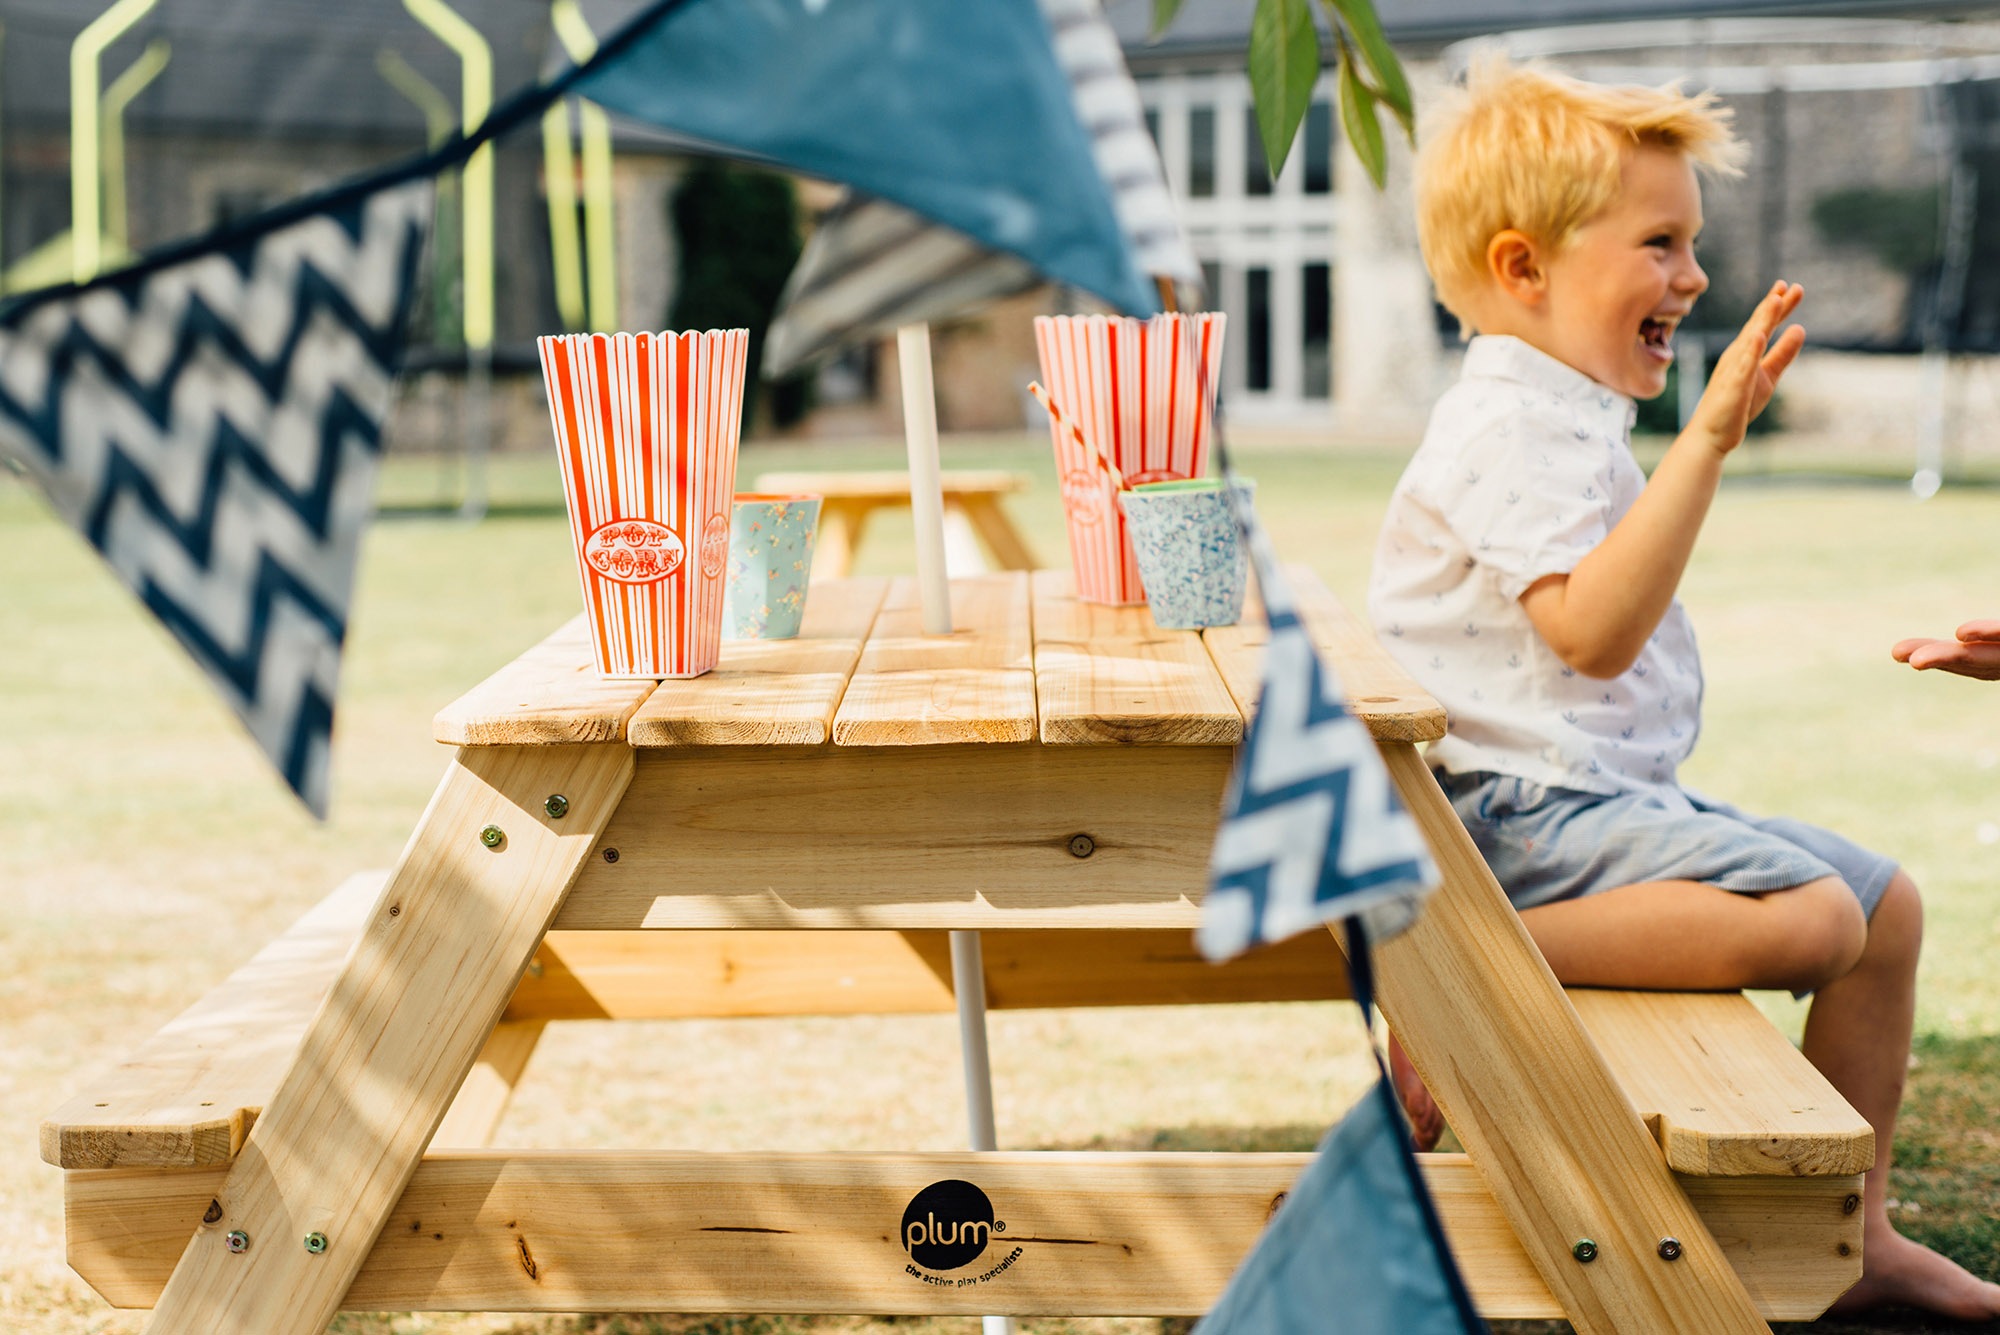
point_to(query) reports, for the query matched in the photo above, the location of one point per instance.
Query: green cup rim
(1185, 484)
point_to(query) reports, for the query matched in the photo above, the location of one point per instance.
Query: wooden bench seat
(1723, 1091)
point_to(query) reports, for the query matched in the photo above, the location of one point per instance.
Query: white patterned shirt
(1524, 469)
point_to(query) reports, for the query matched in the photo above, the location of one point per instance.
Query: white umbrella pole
(913, 360)
(968, 981)
(968, 970)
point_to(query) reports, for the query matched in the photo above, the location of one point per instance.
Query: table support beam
(1566, 1156)
(489, 865)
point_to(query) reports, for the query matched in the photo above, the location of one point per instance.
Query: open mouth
(1658, 337)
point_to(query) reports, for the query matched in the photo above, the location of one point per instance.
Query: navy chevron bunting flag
(212, 426)
(1312, 829)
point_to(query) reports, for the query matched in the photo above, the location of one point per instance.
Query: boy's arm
(1975, 653)
(1599, 616)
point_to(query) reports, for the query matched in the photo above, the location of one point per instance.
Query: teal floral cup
(770, 557)
(1190, 558)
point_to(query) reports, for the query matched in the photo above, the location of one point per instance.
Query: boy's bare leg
(1426, 1122)
(1858, 1035)
(1684, 935)
(1664, 934)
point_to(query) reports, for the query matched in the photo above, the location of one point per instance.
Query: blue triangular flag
(958, 112)
(1312, 828)
(871, 266)
(211, 423)
(1357, 1247)
(1352, 1250)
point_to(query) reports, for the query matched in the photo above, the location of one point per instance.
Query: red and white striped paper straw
(1064, 424)
(646, 428)
(1144, 392)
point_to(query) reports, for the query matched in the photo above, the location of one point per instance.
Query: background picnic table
(144, 849)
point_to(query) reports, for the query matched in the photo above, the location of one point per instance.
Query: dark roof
(1214, 28)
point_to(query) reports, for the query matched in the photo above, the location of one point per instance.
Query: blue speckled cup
(1190, 559)
(770, 558)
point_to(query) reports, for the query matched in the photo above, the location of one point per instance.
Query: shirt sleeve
(1529, 496)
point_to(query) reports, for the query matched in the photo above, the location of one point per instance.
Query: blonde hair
(1525, 148)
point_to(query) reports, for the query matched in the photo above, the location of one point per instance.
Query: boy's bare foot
(1426, 1122)
(1897, 1272)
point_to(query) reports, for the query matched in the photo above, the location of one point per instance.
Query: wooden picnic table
(1050, 775)
(848, 499)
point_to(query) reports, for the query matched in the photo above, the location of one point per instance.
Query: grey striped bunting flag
(211, 423)
(1312, 829)
(871, 265)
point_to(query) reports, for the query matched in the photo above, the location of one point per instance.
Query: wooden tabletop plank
(1378, 691)
(770, 692)
(549, 695)
(1108, 675)
(975, 685)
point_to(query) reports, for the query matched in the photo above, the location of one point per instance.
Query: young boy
(1526, 575)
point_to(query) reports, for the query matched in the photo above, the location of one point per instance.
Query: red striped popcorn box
(1143, 393)
(646, 427)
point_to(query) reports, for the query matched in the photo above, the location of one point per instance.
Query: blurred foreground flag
(210, 421)
(1355, 1248)
(1312, 829)
(871, 266)
(959, 113)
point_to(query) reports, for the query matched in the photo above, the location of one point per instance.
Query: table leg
(338, 1142)
(997, 531)
(1526, 1090)
(840, 521)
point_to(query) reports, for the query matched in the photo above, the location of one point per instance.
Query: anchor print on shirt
(1513, 498)
(1513, 660)
(1471, 631)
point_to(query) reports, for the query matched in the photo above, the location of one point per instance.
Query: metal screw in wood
(237, 1241)
(1081, 845)
(315, 1243)
(557, 806)
(1584, 1251)
(492, 836)
(1670, 1249)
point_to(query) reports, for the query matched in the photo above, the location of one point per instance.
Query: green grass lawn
(146, 849)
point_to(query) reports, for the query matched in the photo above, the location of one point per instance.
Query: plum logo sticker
(947, 1226)
(1083, 492)
(714, 545)
(634, 551)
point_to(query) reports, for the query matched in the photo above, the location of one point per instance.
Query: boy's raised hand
(1747, 372)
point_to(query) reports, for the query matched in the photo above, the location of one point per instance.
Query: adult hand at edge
(1974, 653)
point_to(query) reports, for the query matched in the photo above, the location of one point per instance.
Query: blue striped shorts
(1550, 844)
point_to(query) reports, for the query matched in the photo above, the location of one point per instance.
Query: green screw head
(315, 1243)
(557, 806)
(1584, 1251)
(492, 836)
(237, 1241)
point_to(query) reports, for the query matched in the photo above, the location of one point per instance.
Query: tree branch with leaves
(1284, 64)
